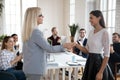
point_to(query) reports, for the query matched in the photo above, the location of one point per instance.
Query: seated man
(114, 51)
(82, 40)
(54, 39)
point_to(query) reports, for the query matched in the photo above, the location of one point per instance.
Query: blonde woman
(35, 46)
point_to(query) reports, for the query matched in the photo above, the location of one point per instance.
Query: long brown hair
(5, 40)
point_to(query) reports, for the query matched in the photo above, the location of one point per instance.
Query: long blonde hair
(30, 22)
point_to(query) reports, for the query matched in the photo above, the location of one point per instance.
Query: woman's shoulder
(36, 31)
(105, 30)
(3, 51)
(6, 51)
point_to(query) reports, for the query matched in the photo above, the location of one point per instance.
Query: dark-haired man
(114, 51)
(82, 40)
(16, 47)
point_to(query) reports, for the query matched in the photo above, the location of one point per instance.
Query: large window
(12, 16)
(108, 7)
(72, 11)
(14, 13)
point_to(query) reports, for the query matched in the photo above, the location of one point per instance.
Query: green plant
(50, 41)
(2, 37)
(73, 29)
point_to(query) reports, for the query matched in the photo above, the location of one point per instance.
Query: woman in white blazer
(35, 46)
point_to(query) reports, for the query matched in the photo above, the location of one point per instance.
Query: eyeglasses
(40, 15)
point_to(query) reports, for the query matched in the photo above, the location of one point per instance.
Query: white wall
(80, 15)
(117, 25)
(80, 11)
(53, 14)
(57, 13)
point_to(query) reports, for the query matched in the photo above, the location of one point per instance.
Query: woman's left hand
(99, 76)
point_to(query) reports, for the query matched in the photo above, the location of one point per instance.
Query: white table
(61, 60)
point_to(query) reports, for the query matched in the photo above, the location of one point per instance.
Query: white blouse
(98, 43)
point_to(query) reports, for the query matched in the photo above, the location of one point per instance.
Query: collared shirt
(81, 40)
(5, 58)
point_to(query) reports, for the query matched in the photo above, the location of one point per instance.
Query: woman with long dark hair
(98, 45)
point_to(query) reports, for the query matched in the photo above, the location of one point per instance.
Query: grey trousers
(34, 77)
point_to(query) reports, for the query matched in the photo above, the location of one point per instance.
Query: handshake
(69, 46)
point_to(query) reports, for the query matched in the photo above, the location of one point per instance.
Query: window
(14, 13)
(72, 11)
(108, 7)
(12, 17)
(14, 10)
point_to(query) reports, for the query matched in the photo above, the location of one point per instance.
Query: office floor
(79, 76)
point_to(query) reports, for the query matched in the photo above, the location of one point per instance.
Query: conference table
(64, 60)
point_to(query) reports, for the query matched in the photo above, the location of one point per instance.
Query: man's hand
(111, 50)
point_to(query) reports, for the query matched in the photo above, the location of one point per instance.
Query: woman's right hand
(81, 48)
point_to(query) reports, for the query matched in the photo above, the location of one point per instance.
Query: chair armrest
(116, 64)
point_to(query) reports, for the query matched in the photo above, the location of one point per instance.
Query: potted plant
(2, 37)
(73, 29)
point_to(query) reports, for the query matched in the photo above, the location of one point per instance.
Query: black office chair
(117, 74)
(6, 76)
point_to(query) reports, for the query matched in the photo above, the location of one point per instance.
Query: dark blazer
(115, 57)
(54, 41)
(77, 51)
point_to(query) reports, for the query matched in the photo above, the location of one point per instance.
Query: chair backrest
(117, 74)
(6, 76)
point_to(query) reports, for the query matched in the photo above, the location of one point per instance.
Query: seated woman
(8, 59)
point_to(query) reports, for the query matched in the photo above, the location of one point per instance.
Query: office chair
(6, 76)
(117, 74)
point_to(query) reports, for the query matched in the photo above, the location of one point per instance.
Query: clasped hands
(69, 46)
